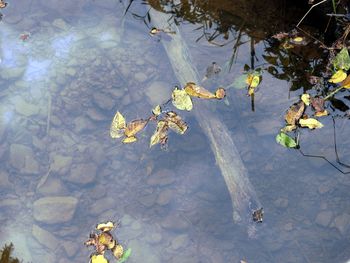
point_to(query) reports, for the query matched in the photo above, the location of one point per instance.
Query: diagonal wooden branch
(243, 195)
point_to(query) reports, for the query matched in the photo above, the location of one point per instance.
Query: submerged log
(243, 195)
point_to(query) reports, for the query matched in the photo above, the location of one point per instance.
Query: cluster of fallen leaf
(181, 99)
(296, 118)
(104, 241)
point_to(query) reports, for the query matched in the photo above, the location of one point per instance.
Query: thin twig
(310, 10)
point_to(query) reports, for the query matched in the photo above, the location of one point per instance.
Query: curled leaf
(288, 128)
(117, 126)
(321, 113)
(118, 251)
(197, 91)
(181, 100)
(130, 139)
(220, 93)
(310, 123)
(294, 113)
(157, 110)
(104, 227)
(338, 76)
(134, 127)
(161, 134)
(306, 99)
(175, 122)
(285, 140)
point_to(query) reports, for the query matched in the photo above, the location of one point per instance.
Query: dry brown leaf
(130, 139)
(346, 82)
(134, 127)
(175, 122)
(317, 104)
(197, 91)
(294, 113)
(220, 93)
(160, 135)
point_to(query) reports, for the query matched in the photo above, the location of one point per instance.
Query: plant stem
(332, 93)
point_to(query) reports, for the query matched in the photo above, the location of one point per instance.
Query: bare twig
(310, 10)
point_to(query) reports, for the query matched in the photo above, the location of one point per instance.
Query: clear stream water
(61, 173)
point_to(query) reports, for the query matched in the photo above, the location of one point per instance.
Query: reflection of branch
(309, 11)
(335, 151)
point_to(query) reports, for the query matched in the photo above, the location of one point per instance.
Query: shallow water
(59, 92)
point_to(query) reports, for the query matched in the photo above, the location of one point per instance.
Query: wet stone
(103, 101)
(342, 222)
(71, 248)
(52, 210)
(324, 218)
(44, 237)
(140, 77)
(102, 205)
(25, 108)
(162, 177)
(165, 197)
(158, 92)
(60, 23)
(83, 173)
(181, 241)
(4, 180)
(175, 222)
(52, 186)
(148, 200)
(22, 158)
(60, 163)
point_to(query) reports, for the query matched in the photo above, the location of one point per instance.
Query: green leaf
(125, 256)
(285, 140)
(342, 60)
(181, 100)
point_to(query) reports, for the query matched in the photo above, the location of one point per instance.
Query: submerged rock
(52, 210)
(22, 158)
(324, 218)
(158, 92)
(342, 223)
(44, 237)
(83, 173)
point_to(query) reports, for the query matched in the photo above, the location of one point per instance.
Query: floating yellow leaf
(310, 123)
(294, 113)
(157, 110)
(197, 91)
(118, 251)
(175, 122)
(288, 128)
(306, 99)
(134, 127)
(117, 126)
(321, 113)
(106, 239)
(253, 80)
(346, 82)
(161, 134)
(220, 93)
(104, 227)
(181, 100)
(298, 39)
(338, 76)
(97, 258)
(130, 139)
